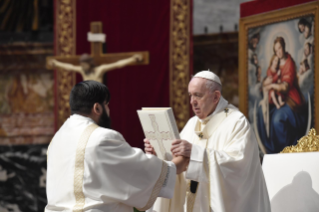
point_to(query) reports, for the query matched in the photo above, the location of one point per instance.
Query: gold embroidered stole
(79, 172)
(79, 168)
(203, 135)
(157, 188)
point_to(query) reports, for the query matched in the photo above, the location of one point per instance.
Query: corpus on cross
(93, 67)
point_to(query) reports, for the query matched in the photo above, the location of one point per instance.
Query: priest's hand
(148, 148)
(181, 163)
(181, 148)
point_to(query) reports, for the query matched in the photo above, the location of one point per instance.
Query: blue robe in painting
(286, 127)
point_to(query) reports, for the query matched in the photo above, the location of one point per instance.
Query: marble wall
(23, 178)
(26, 125)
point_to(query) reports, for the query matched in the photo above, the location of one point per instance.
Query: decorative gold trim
(179, 59)
(190, 199)
(308, 143)
(157, 188)
(65, 37)
(209, 174)
(79, 168)
(267, 18)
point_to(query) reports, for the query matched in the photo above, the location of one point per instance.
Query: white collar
(220, 106)
(80, 117)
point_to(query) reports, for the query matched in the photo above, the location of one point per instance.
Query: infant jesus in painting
(274, 72)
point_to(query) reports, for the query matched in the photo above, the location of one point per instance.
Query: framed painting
(278, 73)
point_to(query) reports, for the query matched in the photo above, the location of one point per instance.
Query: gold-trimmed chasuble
(201, 130)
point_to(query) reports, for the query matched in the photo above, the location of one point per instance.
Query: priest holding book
(92, 168)
(224, 173)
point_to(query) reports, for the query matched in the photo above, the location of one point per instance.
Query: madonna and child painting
(281, 82)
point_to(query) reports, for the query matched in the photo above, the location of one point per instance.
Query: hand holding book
(181, 162)
(160, 130)
(148, 148)
(181, 148)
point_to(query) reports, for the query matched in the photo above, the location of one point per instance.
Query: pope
(224, 173)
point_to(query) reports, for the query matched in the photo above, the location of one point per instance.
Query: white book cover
(160, 129)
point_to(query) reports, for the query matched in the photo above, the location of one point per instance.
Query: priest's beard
(104, 120)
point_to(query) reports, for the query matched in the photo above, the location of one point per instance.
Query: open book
(160, 129)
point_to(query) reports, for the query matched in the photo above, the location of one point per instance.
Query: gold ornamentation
(179, 59)
(65, 46)
(157, 188)
(200, 135)
(79, 168)
(308, 143)
(226, 110)
(18, 61)
(209, 174)
(190, 200)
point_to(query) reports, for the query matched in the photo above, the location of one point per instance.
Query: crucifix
(93, 67)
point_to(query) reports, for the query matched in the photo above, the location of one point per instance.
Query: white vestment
(103, 172)
(225, 162)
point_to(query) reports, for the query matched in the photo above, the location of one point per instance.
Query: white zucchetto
(208, 75)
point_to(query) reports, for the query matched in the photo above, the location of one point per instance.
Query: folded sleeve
(196, 167)
(227, 160)
(167, 190)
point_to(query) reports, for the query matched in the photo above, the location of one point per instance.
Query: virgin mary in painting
(281, 125)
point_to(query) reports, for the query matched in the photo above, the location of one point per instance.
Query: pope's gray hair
(213, 86)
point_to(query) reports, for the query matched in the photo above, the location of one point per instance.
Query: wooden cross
(98, 55)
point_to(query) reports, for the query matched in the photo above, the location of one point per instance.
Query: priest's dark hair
(85, 94)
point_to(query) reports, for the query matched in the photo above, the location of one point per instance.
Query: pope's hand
(181, 148)
(181, 163)
(148, 148)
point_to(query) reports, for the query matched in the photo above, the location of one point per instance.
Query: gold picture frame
(264, 23)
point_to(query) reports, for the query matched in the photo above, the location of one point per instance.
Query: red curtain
(262, 6)
(137, 25)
